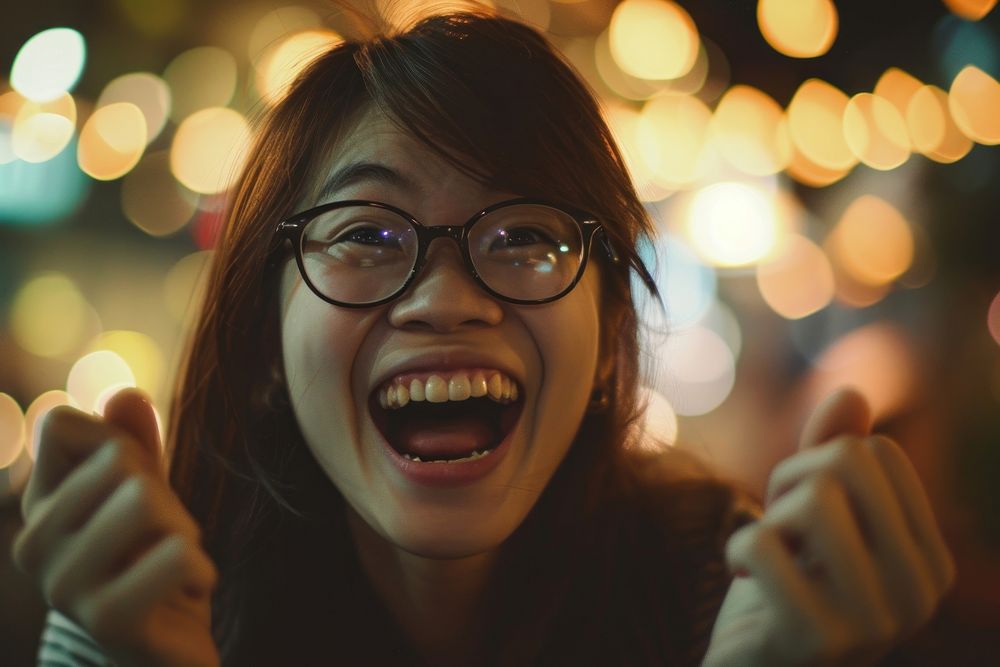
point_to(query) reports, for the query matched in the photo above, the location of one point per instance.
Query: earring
(600, 398)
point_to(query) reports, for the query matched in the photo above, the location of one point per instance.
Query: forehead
(373, 150)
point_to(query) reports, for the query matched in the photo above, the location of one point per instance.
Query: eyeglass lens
(362, 254)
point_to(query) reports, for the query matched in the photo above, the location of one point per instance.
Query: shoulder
(683, 496)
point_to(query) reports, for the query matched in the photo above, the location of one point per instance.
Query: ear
(606, 360)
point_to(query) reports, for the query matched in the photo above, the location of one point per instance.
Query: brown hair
(494, 98)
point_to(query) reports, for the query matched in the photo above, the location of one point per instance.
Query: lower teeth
(471, 457)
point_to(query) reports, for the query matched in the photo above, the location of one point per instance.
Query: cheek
(567, 338)
(320, 345)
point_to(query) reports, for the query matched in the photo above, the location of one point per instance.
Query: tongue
(445, 439)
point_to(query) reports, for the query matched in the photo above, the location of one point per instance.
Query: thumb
(131, 411)
(844, 412)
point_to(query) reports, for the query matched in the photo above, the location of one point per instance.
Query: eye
(520, 236)
(369, 236)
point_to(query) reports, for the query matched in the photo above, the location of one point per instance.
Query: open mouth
(455, 429)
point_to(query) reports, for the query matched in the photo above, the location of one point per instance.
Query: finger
(172, 566)
(132, 411)
(817, 514)
(65, 510)
(133, 518)
(844, 412)
(67, 437)
(759, 550)
(916, 508)
(877, 513)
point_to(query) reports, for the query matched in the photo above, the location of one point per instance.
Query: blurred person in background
(408, 427)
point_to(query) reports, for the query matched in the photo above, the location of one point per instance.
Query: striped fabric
(66, 644)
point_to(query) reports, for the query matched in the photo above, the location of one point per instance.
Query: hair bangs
(492, 105)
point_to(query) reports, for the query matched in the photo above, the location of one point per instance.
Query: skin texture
(110, 544)
(846, 560)
(334, 358)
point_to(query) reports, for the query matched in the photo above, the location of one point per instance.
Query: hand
(847, 559)
(110, 544)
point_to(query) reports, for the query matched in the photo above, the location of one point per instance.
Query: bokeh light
(112, 141)
(932, 129)
(278, 24)
(148, 92)
(660, 422)
(155, 18)
(209, 149)
(42, 130)
(721, 319)
(200, 78)
(972, 10)
(278, 67)
(49, 316)
(798, 281)
(808, 172)
(184, 285)
(48, 64)
(974, 102)
(623, 121)
(631, 87)
(872, 241)
(94, 374)
(44, 192)
(671, 136)
(876, 359)
(686, 284)
(876, 132)
(815, 120)
(993, 318)
(696, 370)
(750, 131)
(12, 430)
(733, 224)
(798, 28)
(653, 39)
(957, 44)
(36, 412)
(897, 87)
(152, 200)
(142, 354)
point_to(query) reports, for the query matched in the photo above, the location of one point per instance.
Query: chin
(448, 536)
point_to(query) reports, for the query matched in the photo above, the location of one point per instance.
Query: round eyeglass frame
(292, 228)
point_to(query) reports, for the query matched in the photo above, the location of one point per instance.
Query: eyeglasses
(358, 254)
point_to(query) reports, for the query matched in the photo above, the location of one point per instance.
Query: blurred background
(823, 177)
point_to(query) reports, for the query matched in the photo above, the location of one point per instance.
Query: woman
(396, 447)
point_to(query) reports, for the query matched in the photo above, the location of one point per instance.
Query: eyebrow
(357, 172)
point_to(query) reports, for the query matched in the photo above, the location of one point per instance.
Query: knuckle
(136, 490)
(747, 542)
(846, 449)
(57, 425)
(820, 487)
(120, 459)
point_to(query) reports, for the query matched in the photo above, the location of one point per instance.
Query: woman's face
(337, 359)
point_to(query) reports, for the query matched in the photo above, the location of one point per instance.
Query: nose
(444, 297)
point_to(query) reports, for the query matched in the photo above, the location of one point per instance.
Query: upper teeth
(458, 387)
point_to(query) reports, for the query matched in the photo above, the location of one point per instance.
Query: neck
(437, 602)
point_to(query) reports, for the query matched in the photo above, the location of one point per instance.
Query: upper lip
(444, 360)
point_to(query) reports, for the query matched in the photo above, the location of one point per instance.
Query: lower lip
(441, 474)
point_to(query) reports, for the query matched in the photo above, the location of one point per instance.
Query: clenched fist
(846, 561)
(110, 544)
